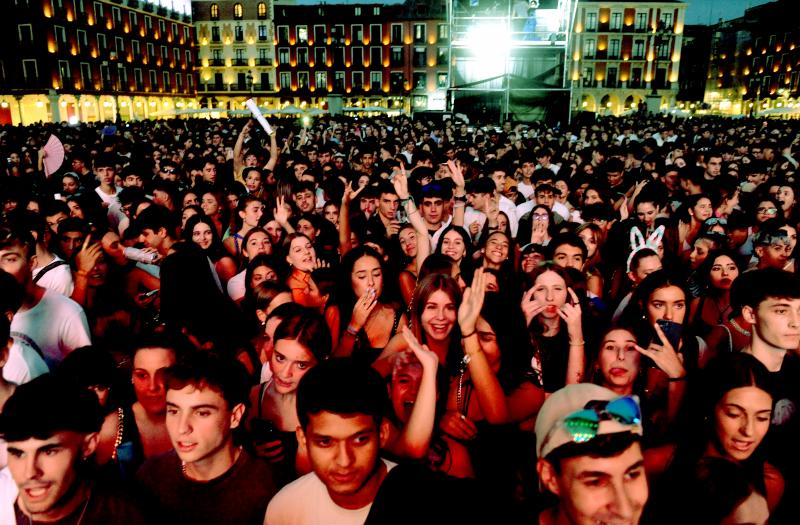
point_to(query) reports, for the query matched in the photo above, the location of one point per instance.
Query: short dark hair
(569, 239)
(764, 284)
(222, 374)
(602, 446)
(46, 405)
(17, 237)
(156, 217)
(342, 386)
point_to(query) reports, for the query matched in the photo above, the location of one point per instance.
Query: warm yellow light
(623, 78)
(348, 90)
(51, 46)
(608, 105)
(70, 16)
(328, 63)
(293, 63)
(431, 62)
(39, 104)
(329, 41)
(123, 104)
(347, 64)
(578, 27)
(576, 76)
(584, 104)
(385, 63)
(432, 39)
(385, 40)
(3, 104)
(205, 62)
(407, 40)
(650, 57)
(228, 62)
(347, 41)
(251, 40)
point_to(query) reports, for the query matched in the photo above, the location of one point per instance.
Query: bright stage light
(490, 44)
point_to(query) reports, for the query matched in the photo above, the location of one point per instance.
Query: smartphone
(672, 331)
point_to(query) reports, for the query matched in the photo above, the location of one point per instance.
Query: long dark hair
(214, 251)
(345, 297)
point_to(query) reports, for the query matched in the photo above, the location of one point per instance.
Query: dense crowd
(379, 321)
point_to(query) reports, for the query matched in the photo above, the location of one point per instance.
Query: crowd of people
(393, 320)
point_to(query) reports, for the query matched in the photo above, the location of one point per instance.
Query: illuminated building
(89, 60)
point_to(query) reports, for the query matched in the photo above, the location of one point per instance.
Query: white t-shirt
(236, 287)
(306, 501)
(23, 363)
(57, 278)
(8, 491)
(55, 327)
(510, 209)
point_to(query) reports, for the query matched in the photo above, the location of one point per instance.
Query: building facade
(236, 51)
(624, 53)
(695, 55)
(90, 60)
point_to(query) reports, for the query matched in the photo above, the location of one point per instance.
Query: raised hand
(400, 183)
(319, 263)
(350, 194)
(539, 232)
(571, 314)
(363, 308)
(281, 211)
(455, 174)
(427, 358)
(472, 302)
(458, 426)
(664, 355)
(474, 228)
(530, 306)
(87, 257)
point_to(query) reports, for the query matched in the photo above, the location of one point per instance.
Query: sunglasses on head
(582, 425)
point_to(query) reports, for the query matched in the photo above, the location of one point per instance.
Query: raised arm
(460, 193)
(400, 182)
(274, 152)
(344, 218)
(238, 156)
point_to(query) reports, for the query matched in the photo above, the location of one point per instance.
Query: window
(320, 36)
(162, 27)
(638, 49)
(283, 56)
(238, 33)
(98, 11)
(302, 34)
(175, 30)
(151, 50)
(215, 34)
(148, 23)
(396, 57)
(376, 11)
(613, 48)
(86, 75)
(616, 21)
(320, 56)
(419, 33)
(588, 48)
(636, 77)
(119, 45)
(443, 32)
(375, 57)
(105, 75)
(283, 34)
(262, 10)
(164, 52)
(338, 56)
(302, 56)
(441, 81)
(176, 57)
(216, 59)
(61, 36)
(611, 77)
(122, 75)
(116, 14)
(101, 41)
(138, 79)
(375, 34)
(321, 80)
(239, 54)
(179, 82)
(662, 50)
(83, 42)
(641, 21)
(133, 19)
(591, 21)
(166, 80)
(666, 21)
(420, 80)
(376, 80)
(337, 34)
(26, 33)
(397, 81)
(262, 33)
(189, 60)
(63, 72)
(285, 80)
(263, 57)
(266, 85)
(358, 80)
(358, 56)
(214, 11)
(442, 56)
(588, 76)
(302, 80)
(186, 38)
(357, 11)
(238, 11)
(338, 81)
(420, 57)
(357, 33)
(397, 34)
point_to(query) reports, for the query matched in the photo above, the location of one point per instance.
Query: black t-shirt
(238, 497)
(104, 506)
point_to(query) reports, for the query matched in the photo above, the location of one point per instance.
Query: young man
(52, 431)
(105, 167)
(52, 324)
(772, 248)
(156, 226)
(341, 406)
(208, 478)
(304, 196)
(22, 362)
(596, 474)
(569, 251)
(50, 271)
(385, 223)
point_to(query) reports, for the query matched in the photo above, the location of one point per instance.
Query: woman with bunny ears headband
(639, 243)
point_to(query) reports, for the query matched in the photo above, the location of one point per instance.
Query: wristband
(460, 198)
(405, 201)
(676, 379)
(464, 336)
(351, 330)
(580, 343)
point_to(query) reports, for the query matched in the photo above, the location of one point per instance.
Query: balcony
(216, 62)
(264, 62)
(240, 62)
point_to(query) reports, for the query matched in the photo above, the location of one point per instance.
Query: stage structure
(508, 58)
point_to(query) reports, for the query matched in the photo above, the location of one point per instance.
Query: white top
(236, 287)
(23, 363)
(306, 501)
(508, 207)
(58, 278)
(55, 327)
(8, 492)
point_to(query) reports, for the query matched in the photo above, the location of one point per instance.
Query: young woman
(713, 306)
(592, 237)
(692, 214)
(202, 231)
(303, 260)
(373, 320)
(456, 244)
(495, 251)
(214, 206)
(248, 215)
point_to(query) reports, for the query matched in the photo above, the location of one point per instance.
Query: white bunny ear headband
(638, 243)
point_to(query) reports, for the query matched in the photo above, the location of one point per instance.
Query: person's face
(257, 244)
(487, 338)
(432, 210)
(77, 165)
(776, 322)
(290, 361)
(741, 420)
(527, 169)
(404, 388)
(408, 242)
(190, 199)
(618, 360)
(343, 451)
(550, 290)
(186, 214)
(54, 220)
(69, 185)
(70, 242)
(252, 213)
(233, 201)
(765, 210)
(499, 178)
(531, 261)
(723, 272)
(209, 205)
(148, 378)
(133, 180)
(161, 198)
(563, 188)
(545, 198)
(305, 201)
(274, 230)
(301, 254)
(502, 222)
(367, 160)
(595, 490)
(105, 175)
(251, 161)
(671, 180)
(253, 181)
(786, 198)
(702, 210)
(453, 246)
(713, 166)
(202, 236)
(438, 315)
(568, 256)
(591, 197)
(338, 162)
(366, 275)
(387, 205)
(477, 200)
(791, 232)
(699, 253)
(210, 173)
(324, 157)
(667, 303)
(14, 260)
(756, 178)
(299, 169)
(496, 250)
(168, 173)
(261, 274)
(646, 212)
(775, 254)
(331, 214)
(305, 227)
(199, 423)
(113, 248)
(46, 472)
(590, 240)
(614, 178)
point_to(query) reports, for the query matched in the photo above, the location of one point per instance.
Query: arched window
(238, 11)
(262, 10)
(214, 12)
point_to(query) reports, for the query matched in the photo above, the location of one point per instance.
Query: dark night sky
(710, 11)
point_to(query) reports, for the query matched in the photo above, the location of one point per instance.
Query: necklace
(459, 399)
(120, 429)
(80, 518)
(738, 328)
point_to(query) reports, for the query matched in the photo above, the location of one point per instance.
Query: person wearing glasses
(588, 444)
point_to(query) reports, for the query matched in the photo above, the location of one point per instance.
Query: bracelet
(464, 336)
(459, 205)
(351, 330)
(412, 212)
(676, 379)
(581, 343)
(460, 198)
(82, 273)
(407, 200)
